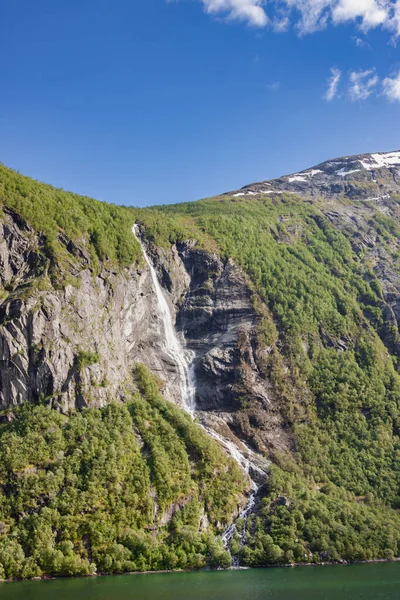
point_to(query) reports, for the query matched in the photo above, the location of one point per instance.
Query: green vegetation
(301, 521)
(94, 491)
(86, 359)
(103, 229)
(334, 379)
(126, 487)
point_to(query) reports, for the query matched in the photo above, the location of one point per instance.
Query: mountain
(369, 177)
(219, 384)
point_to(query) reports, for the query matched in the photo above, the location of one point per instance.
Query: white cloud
(309, 15)
(362, 84)
(250, 11)
(396, 18)
(281, 24)
(391, 87)
(314, 14)
(371, 12)
(333, 83)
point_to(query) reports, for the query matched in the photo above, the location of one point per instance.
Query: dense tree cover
(300, 520)
(104, 229)
(118, 489)
(333, 376)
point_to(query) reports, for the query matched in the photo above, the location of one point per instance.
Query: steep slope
(128, 487)
(89, 484)
(287, 295)
(323, 272)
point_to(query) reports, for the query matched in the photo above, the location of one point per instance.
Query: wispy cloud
(360, 42)
(281, 25)
(250, 11)
(333, 84)
(273, 86)
(309, 15)
(362, 84)
(391, 87)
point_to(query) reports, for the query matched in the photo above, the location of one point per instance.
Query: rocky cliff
(74, 343)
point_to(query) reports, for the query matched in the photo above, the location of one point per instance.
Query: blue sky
(147, 101)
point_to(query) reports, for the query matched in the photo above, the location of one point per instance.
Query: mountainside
(278, 313)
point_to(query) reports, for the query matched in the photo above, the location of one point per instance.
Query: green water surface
(378, 581)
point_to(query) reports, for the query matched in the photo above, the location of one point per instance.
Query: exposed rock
(75, 344)
(368, 177)
(110, 319)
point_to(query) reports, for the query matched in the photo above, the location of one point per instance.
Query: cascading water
(249, 463)
(172, 345)
(183, 360)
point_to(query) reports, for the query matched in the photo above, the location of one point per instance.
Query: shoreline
(239, 568)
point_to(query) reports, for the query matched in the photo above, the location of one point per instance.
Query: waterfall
(248, 460)
(249, 463)
(172, 345)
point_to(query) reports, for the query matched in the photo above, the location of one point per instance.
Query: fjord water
(377, 581)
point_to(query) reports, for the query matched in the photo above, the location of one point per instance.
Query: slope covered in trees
(87, 491)
(103, 229)
(90, 492)
(334, 496)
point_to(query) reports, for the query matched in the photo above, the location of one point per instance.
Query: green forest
(340, 487)
(104, 230)
(86, 493)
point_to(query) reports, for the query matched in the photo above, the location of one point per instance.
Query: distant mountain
(363, 176)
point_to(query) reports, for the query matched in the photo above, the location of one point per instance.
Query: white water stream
(183, 359)
(172, 345)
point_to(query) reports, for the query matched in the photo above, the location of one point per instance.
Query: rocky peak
(360, 177)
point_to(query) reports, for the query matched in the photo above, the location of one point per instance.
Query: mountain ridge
(330, 178)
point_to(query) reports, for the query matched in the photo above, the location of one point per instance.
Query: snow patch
(304, 175)
(343, 172)
(297, 178)
(378, 161)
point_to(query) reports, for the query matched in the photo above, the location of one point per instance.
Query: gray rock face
(218, 321)
(370, 177)
(76, 345)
